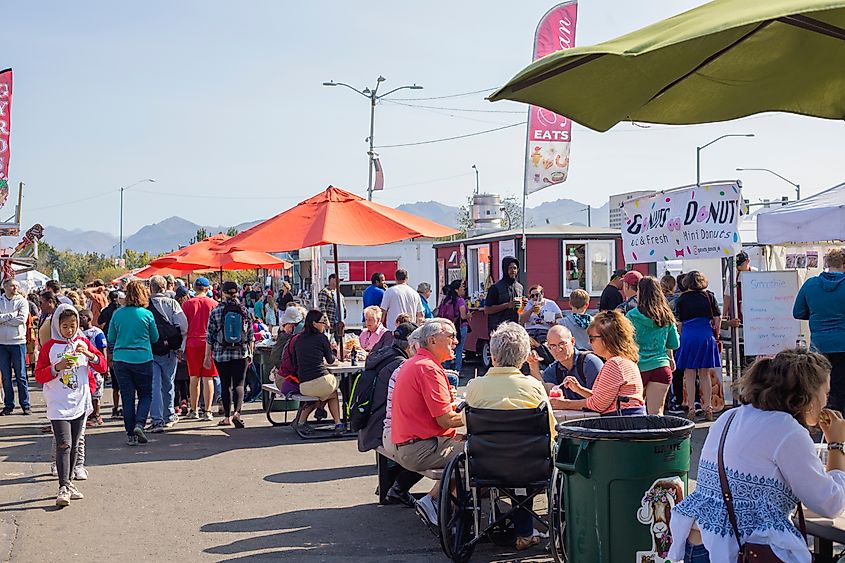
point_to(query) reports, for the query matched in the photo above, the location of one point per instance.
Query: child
(578, 320)
(63, 370)
(98, 339)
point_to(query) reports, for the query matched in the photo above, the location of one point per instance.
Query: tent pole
(338, 336)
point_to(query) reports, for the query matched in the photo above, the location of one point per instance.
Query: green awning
(723, 60)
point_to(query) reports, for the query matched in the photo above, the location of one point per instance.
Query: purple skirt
(699, 349)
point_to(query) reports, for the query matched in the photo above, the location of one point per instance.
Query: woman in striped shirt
(612, 338)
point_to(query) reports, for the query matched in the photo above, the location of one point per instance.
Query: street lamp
(373, 96)
(702, 147)
(474, 167)
(796, 186)
(121, 208)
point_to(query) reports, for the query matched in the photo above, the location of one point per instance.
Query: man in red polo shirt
(424, 420)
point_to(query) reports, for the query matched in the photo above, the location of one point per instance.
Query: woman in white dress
(770, 462)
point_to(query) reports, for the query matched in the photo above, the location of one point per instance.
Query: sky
(222, 104)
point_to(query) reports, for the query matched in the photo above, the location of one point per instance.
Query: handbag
(748, 552)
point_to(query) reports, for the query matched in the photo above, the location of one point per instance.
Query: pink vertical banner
(5, 129)
(550, 134)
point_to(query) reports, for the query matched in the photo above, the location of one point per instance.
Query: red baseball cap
(632, 278)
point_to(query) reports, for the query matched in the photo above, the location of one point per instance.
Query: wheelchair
(507, 456)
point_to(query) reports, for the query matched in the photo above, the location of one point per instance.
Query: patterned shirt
(214, 336)
(619, 377)
(327, 303)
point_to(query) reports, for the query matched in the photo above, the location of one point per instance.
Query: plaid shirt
(214, 336)
(327, 303)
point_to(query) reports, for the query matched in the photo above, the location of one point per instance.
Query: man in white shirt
(14, 311)
(401, 298)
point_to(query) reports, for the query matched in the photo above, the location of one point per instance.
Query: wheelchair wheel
(455, 512)
(557, 518)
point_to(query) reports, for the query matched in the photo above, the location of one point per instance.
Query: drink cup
(555, 392)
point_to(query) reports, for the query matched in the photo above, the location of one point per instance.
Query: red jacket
(44, 367)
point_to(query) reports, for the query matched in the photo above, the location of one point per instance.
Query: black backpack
(169, 334)
(360, 406)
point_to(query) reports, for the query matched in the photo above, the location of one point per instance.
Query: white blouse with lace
(771, 463)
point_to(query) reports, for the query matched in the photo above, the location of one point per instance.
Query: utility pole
(474, 167)
(372, 95)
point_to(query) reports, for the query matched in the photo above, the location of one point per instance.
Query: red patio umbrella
(334, 217)
(208, 255)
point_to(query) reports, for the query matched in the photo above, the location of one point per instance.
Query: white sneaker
(192, 415)
(80, 474)
(208, 416)
(427, 509)
(74, 492)
(63, 498)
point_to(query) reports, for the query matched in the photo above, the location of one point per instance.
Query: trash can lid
(651, 427)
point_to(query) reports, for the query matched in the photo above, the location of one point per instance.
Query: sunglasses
(535, 295)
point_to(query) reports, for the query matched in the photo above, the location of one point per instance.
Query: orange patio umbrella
(334, 217)
(150, 271)
(208, 255)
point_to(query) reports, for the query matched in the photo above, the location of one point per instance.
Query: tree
(232, 231)
(202, 234)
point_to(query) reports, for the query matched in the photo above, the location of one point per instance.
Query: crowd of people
(653, 344)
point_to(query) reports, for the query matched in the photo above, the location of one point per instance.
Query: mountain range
(173, 232)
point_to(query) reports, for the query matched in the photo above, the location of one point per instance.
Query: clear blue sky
(225, 99)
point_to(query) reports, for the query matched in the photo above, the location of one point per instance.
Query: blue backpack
(233, 325)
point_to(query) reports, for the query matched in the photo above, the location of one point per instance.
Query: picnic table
(825, 532)
(564, 415)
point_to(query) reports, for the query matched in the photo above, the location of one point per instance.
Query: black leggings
(67, 433)
(232, 374)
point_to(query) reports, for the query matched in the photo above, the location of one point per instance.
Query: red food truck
(561, 258)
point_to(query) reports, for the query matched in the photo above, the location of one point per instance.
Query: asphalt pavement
(200, 492)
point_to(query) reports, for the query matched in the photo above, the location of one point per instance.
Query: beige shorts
(324, 387)
(433, 453)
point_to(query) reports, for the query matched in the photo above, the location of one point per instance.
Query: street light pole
(372, 95)
(702, 147)
(122, 189)
(474, 167)
(796, 186)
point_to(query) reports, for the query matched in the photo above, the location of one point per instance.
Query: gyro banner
(691, 222)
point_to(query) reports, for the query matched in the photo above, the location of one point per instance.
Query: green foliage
(232, 231)
(511, 206)
(76, 269)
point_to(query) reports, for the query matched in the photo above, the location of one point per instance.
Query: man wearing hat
(198, 309)
(290, 324)
(630, 286)
(743, 264)
(611, 297)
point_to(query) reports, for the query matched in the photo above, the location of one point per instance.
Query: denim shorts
(696, 554)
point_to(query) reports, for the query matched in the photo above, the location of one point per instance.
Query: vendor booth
(561, 258)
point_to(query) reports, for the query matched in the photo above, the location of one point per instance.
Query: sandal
(224, 423)
(527, 543)
(236, 420)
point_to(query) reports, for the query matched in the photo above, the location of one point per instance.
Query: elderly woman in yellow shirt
(505, 387)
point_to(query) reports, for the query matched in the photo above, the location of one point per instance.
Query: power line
(451, 115)
(205, 196)
(457, 109)
(445, 97)
(433, 181)
(451, 138)
(75, 201)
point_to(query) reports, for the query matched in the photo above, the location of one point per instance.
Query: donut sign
(691, 222)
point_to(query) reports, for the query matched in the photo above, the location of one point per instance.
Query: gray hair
(565, 333)
(423, 287)
(158, 284)
(374, 310)
(414, 337)
(433, 327)
(509, 345)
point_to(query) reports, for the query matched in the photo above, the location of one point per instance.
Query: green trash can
(616, 481)
(264, 366)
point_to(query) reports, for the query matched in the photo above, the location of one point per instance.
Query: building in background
(614, 208)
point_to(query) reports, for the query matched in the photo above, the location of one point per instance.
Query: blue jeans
(164, 373)
(12, 366)
(135, 378)
(696, 554)
(458, 362)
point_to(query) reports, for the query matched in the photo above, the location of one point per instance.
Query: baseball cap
(632, 278)
(618, 274)
(229, 286)
(291, 316)
(181, 292)
(202, 282)
(741, 258)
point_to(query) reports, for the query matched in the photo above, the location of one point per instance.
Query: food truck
(561, 258)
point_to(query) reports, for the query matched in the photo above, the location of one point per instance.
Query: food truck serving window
(478, 268)
(586, 265)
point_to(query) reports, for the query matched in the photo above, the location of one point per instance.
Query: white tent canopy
(820, 217)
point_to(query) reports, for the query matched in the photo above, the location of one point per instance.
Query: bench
(387, 474)
(277, 395)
